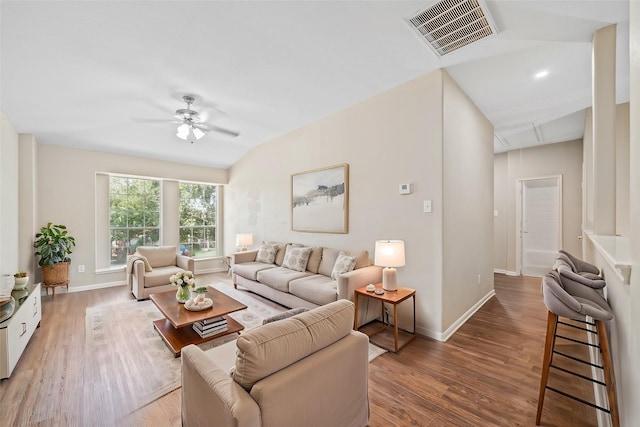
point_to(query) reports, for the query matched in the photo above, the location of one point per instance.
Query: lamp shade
(244, 239)
(389, 253)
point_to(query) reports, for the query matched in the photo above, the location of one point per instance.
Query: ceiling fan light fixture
(183, 131)
(197, 133)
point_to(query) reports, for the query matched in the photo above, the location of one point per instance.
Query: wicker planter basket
(56, 276)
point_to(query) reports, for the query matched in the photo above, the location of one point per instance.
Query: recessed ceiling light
(541, 74)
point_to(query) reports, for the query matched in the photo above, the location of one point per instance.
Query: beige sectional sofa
(314, 285)
(308, 370)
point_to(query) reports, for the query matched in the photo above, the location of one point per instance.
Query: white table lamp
(244, 240)
(389, 254)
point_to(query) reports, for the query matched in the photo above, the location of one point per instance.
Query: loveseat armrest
(185, 263)
(349, 282)
(246, 256)
(211, 397)
(137, 279)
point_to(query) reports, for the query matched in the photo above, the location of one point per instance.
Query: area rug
(120, 338)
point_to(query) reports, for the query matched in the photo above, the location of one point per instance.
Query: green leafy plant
(53, 244)
(20, 274)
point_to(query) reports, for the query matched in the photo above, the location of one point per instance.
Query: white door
(541, 226)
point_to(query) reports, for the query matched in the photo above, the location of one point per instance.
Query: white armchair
(150, 268)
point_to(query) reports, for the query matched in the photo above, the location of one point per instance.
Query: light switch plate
(427, 206)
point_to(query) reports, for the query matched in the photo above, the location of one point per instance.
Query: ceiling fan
(191, 125)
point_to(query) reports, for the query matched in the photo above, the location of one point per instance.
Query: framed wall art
(320, 200)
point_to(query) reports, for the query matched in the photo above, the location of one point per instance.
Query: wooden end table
(176, 329)
(381, 336)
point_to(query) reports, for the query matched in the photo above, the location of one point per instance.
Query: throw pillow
(284, 315)
(267, 253)
(296, 258)
(344, 264)
(314, 260)
(147, 266)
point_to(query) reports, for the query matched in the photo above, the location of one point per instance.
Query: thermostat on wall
(405, 188)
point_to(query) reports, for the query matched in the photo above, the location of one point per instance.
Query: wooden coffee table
(176, 329)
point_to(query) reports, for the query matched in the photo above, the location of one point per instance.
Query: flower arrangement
(20, 274)
(183, 279)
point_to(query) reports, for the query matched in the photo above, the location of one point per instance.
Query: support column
(604, 130)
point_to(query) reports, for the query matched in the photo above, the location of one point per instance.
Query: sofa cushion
(279, 277)
(329, 256)
(317, 289)
(249, 270)
(296, 258)
(267, 253)
(160, 276)
(280, 254)
(269, 348)
(159, 256)
(344, 264)
(314, 260)
(362, 260)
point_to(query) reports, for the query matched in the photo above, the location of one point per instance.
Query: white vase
(20, 282)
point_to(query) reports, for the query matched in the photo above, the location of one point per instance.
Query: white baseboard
(83, 288)
(505, 272)
(461, 321)
(444, 336)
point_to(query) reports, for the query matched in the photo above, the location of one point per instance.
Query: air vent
(449, 25)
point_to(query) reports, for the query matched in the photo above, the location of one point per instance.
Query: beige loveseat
(150, 267)
(308, 370)
(311, 287)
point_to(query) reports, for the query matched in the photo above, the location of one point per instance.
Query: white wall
(468, 204)
(67, 195)
(622, 169)
(9, 244)
(395, 137)
(564, 158)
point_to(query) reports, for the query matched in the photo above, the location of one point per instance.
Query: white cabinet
(16, 331)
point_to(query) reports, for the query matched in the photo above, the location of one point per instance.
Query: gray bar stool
(578, 265)
(574, 300)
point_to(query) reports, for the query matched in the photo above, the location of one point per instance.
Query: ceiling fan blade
(212, 128)
(142, 120)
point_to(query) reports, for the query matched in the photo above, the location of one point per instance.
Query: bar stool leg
(552, 324)
(609, 376)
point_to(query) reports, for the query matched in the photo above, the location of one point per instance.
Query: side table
(394, 298)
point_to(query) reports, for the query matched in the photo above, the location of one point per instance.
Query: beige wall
(67, 195)
(564, 159)
(393, 138)
(500, 206)
(9, 243)
(467, 204)
(630, 366)
(622, 169)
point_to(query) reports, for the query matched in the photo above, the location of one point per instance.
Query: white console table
(16, 331)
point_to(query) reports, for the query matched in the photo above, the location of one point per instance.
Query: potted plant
(20, 280)
(53, 244)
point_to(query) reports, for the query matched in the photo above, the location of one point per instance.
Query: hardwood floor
(487, 374)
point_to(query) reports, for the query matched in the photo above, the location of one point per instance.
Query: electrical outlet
(479, 279)
(81, 269)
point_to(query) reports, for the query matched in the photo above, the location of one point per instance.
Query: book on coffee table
(208, 327)
(210, 332)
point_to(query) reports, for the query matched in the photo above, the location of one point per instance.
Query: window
(198, 212)
(134, 215)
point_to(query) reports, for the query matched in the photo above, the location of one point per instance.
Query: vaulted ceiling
(109, 75)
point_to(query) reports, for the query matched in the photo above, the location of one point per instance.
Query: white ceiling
(93, 75)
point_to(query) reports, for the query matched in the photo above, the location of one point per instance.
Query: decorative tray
(7, 309)
(208, 303)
